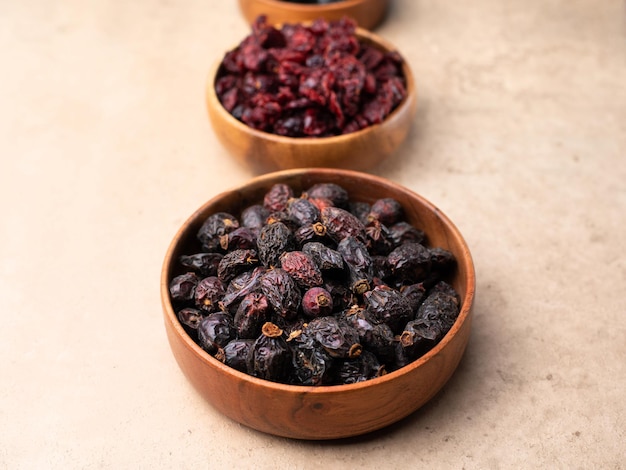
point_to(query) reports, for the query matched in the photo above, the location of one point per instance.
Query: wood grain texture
(263, 152)
(326, 412)
(367, 13)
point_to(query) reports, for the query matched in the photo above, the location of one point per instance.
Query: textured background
(105, 149)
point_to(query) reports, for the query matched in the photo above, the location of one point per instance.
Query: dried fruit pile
(316, 289)
(309, 81)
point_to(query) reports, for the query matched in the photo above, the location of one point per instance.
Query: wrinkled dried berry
(243, 238)
(303, 211)
(317, 302)
(359, 263)
(235, 263)
(235, 354)
(254, 216)
(204, 264)
(334, 193)
(312, 365)
(389, 306)
(183, 288)
(214, 227)
(301, 267)
(252, 313)
(276, 199)
(386, 210)
(274, 239)
(209, 292)
(339, 340)
(403, 232)
(282, 292)
(364, 367)
(340, 224)
(215, 331)
(269, 357)
(241, 286)
(190, 318)
(410, 262)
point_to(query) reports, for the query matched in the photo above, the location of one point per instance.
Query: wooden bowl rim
(466, 261)
(313, 8)
(409, 102)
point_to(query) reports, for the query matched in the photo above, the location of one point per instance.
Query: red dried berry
(301, 268)
(317, 302)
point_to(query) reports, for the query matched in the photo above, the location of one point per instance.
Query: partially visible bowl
(263, 152)
(324, 412)
(367, 13)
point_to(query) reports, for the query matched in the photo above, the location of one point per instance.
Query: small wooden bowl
(367, 13)
(325, 412)
(262, 152)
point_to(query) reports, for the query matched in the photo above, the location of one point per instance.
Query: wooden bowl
(263, 152)
(367, 13)
(324, 412)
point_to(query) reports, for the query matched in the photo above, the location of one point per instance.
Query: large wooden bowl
(262, 152)
(324, 412)
(367, 13)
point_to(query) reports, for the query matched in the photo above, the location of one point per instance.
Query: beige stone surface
(105, 149)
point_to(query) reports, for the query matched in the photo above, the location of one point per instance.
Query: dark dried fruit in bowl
(387, 211)
(317, 302)
(241, 286)
(183, 288)
(301, 267)
(254, 216)
(276, 199)
(364, 367)
(326, 259)
(386, 305)
(214, 227)
(209, 292)
(269, 357)
(235, 263)
(334, 193)
(340, 224)
(243, 238)
(338, 339)
(235, 354)
(204, 264)
(215, 331)
(306, 291)
(282, 292)
(252, 313)
(410, 262)
(303, 211)
(359, 263)
(274, 239)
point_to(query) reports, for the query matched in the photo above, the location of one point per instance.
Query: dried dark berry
(380, 268)
(209, 292)
(276, 199)
(418, 337)
(339, 340)
(215, 331)
(236, 262)
(204, 264)
(441, 261)
(403, 232)
(254, 216)
(340, 224)
(274, 239)
(440, 308)
(387, 305)
(243, 238)
(334, 193)
(415, 294)
(359, 263)
(190, 318)
(342, 295)
(252, 313)
(282, 292)
(311, 363)
(387, 211)
(309, 233)
(183, 288)
(410, 262)
(269, 357)
(326, 259)
(241, 286)
(364, 367)
(301, 267)
(235, 354)
(360, 210)
(303, 211)
(379, 239)
(317, 302)
(214, 227)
